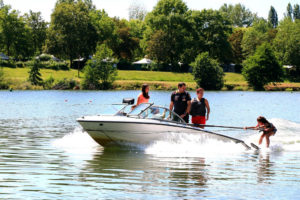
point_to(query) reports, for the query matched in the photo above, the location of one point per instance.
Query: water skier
(266, 127)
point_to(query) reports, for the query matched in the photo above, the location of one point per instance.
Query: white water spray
(287, 138)
(76, 142)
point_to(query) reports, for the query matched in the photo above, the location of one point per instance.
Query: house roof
(143, 61)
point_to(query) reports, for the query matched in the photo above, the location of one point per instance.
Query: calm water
(44, 154)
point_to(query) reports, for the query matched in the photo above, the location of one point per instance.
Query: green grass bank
(131, 80)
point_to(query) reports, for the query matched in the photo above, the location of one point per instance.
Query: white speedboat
(143, 125)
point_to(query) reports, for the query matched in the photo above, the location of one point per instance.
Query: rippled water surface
(44, 154)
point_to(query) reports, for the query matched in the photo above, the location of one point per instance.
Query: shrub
(124, 64)
(57, 66)
(65, 84)
(48, 83)
(3, 84)
(207, 72)
(293, 74)
(7, 63)
(1, 75)
(35, 75)
(100, 73)
(50, 65)
(45, 57)
(154, 66)
(229, 86)
(20, 64)
(262, 68)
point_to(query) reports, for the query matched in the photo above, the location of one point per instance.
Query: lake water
(44, 154)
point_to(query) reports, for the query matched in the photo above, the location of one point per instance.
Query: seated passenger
(143, 96)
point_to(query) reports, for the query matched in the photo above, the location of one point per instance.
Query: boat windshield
(139, 109)
(148, 111)
(124, 110)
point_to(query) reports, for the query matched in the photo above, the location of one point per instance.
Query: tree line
(172, 35)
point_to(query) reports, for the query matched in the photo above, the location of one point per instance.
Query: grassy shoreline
(132, 80)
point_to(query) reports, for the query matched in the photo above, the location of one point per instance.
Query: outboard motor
(129, 101)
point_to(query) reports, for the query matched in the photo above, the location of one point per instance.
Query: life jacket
(198, 108)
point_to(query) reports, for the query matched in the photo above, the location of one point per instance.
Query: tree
(137, 11)
(35, 75)
(137, 29)
(273, 18)
(235, 41)
(105, 27)
(158, 47)
(255, 36)
(38, 30)
(100, 73)
(210, 31)
(289, 11)
(71, 33)
(296, 12)
(89, 3)
(14, 34)
(262, 68)
(126, 44)
(171, 17)
(287, 43)
(238, 15)
(207, 72)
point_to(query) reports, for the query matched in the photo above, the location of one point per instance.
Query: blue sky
(120, 7)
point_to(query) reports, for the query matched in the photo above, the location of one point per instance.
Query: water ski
(254, 146)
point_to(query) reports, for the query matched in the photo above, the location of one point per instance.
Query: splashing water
(287, 137)
(188, 145)
(76, 142)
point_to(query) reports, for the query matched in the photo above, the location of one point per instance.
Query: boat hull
(113, 130)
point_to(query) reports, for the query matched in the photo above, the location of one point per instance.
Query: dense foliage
(287, 46)
(238, 14)
(207, 72)
(71, 33)
(262, 68)
(171, 35)
(100, 72)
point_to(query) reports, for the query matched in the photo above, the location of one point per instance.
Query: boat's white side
(111, 130)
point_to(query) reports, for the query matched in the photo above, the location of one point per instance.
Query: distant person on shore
(266, 127)
(143, 96)
(200, 109)
(181, 102)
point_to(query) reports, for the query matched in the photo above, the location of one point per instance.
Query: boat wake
(287, 138)
(188, 145)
